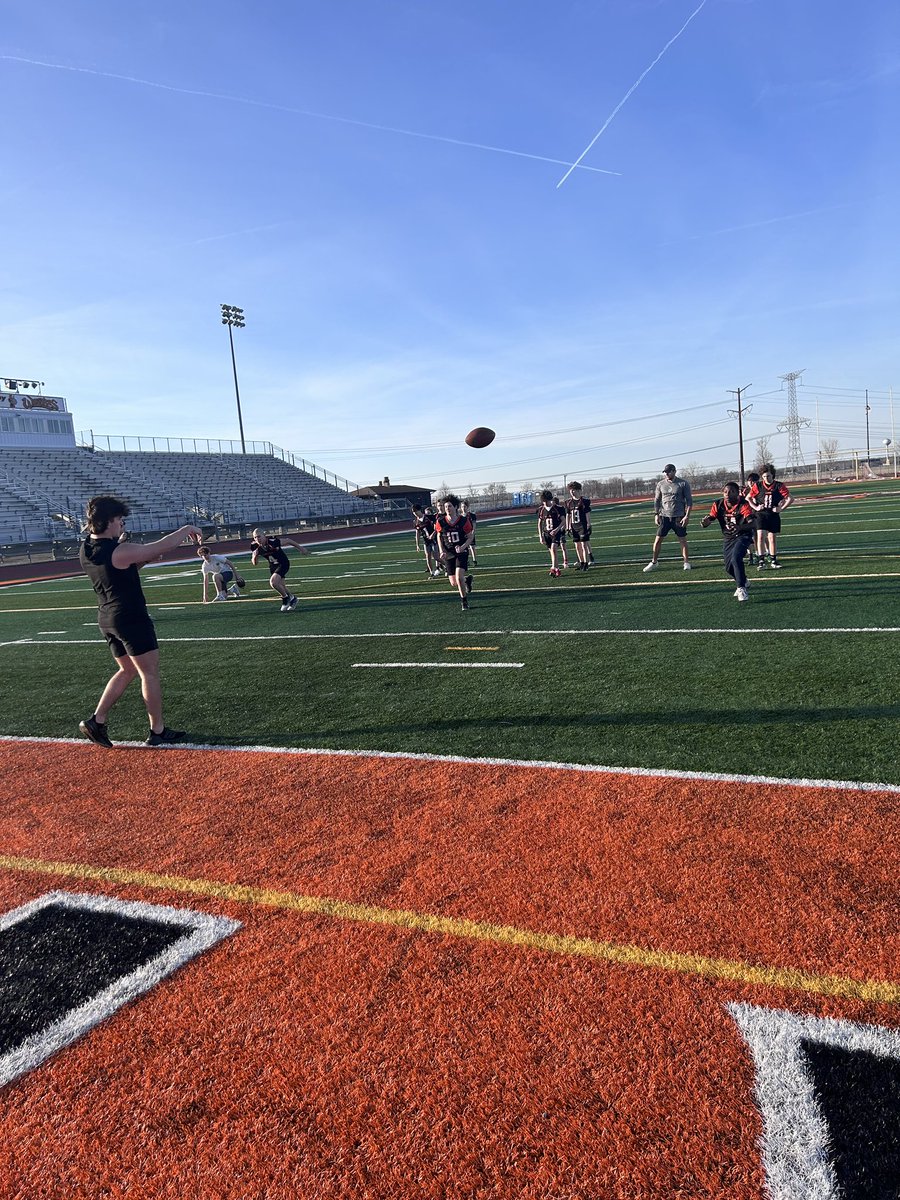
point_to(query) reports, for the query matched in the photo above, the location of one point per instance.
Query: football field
(590, 891)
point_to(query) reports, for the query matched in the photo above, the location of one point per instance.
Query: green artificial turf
(621, 668)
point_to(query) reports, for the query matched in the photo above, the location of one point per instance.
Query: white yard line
(445, 666)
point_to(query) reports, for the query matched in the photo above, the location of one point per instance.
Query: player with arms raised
(269, 548)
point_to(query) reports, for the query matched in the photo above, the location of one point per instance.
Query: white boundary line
(580, 768)
(324, 637)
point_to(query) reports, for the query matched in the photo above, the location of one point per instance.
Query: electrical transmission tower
(793, 423)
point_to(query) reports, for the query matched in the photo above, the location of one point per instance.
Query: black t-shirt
(118, 588)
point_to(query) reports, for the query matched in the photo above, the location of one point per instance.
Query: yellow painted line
(471, 647)
(872, 990)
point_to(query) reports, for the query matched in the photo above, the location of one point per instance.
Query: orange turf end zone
(452, 980)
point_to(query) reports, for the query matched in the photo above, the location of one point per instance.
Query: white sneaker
(742, 594)
(651, 566)
(219, 596)
(687, 566)
(235, 592)
(285, 608)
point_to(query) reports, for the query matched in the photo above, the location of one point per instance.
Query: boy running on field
(735, 517)
(551, 524)
(455, 533)
(270, 549)
(578, 521)
(473, 517)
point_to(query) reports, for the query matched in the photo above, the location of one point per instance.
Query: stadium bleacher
(43, 491)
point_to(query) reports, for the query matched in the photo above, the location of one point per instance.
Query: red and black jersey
(271, 551)
(549, 518)
(453, 534)
(426, 524)
(735, 519)
(768, 496)
(579, 512)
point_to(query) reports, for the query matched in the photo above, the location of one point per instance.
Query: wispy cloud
(302, 112)
(609, 120)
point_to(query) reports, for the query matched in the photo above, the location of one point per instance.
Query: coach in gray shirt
(672, 508)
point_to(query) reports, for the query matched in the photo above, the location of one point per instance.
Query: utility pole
(868, 451)
(739, 412)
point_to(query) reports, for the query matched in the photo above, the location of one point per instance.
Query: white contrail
(303, 112)
(631, 90)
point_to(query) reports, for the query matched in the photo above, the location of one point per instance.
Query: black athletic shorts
(130, 636)
(768, 521)
(551, 539)
(670, 525)
(581, 533)
(456, 562)
(280, 568)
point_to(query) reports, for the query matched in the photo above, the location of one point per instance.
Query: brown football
(480, 437)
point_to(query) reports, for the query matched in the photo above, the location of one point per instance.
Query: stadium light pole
(234, 318)
(868, 450)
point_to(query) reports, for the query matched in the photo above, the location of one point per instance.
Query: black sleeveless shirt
(119, 589)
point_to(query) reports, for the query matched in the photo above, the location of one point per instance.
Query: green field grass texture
(611, 666)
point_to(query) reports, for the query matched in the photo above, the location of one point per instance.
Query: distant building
(385, 490)
(27, 419)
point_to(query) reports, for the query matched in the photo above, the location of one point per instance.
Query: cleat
(651, 566)
(555, 573)
(96, 731)
(465, 604)
(219, 596)
(741, 594)
(168, 737)
(292, 604)
(775, 565)
(688, 567)
(285, 607)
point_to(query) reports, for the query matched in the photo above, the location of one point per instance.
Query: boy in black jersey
(551, 524)
(279, 564)
(425, 526)
(768, 498)
(735, 516)
(578, 522)
(473, 517)
(112, 565)
(454, 534)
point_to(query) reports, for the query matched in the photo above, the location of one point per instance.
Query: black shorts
(281, 568)
(130, 636)
(669, 525)
(768, 521)
(456, 562)
(551, 539)
(581, 533)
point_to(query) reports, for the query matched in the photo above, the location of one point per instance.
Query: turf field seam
(623, 954)
(581, 768)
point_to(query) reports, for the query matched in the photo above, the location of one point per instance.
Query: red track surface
(329, 1056)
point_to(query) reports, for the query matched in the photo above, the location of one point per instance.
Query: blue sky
(377, 184)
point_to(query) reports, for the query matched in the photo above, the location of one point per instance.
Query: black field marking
(829, 1095)
(859, 1094)
(69, 961)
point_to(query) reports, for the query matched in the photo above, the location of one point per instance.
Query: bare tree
(829, 451)
(548, 485)
(763, 452)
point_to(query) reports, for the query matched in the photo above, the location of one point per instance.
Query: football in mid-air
(480, 437)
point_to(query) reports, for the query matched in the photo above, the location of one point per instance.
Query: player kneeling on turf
(735, 516)
(223, 573)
